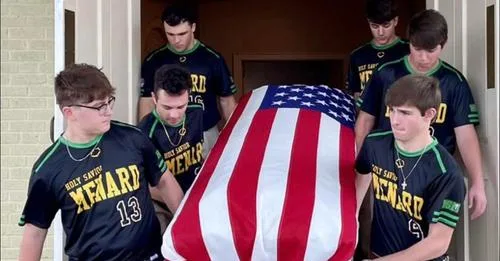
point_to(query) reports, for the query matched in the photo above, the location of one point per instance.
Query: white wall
(108, 35)
(466, 50)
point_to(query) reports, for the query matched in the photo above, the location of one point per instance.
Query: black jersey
(457, 106)
(209, 73)
(433, 192)
(184, 156)
(365, 59)
(105, 204)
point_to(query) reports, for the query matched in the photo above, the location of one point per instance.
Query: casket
(278, 184)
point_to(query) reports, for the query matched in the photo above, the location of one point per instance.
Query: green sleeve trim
(233, 89)
(48, 155)
(376, 134)
(473, 115)
(359, 102)
(21, 222)
(444, 221)
(439, 159)
(126, 125)
(195, 106)
(162, 164)
(387, 63)
(453, 70)
(443, 214)
(156, 52)
(359, 48)
(210, 50)
(152, 130)
(164, 168)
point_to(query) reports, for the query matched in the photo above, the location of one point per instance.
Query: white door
(107, 35)
(466, 50)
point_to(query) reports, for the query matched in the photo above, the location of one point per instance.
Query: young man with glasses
(98, 174)
(176, 129)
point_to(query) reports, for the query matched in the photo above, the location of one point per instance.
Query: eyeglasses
(102, 109)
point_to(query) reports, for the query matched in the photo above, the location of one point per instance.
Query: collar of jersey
(81, 145)
(385, 46)
(195, 46)
(416, 153)
(429, 73)
(157, 116)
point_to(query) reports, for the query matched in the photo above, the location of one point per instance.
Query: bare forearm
(173, 197)
(227, 104)
(468, 145)
(170, 191)
(362, 184)
(433, 246)
(32, 243)
(364, 125)
(155, 194)
(423, 250)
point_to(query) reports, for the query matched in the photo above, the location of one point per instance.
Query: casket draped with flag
(278, 184)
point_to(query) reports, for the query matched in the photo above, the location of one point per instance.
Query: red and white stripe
(278, 185)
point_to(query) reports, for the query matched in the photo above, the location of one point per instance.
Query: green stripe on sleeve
(439, 160)
(153, 128)
(375, 134)
(444, 221)
(21, 222)
(448, 216)
(162, 164)
(48, 155)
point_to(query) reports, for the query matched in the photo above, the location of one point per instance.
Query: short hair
(416, 90)
(173, 79)
(177, 13)
(428, 29)
(81, 83)
(380, 11)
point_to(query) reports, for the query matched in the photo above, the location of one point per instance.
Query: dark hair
(414, 90)
(173, 79)
(177, 13)
(81, 83)
(428, 29)
(380, 11)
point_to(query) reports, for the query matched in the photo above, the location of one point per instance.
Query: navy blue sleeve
(147, 79)
(154, 164)
(444, 197)
(224, 84)
(464, 108)
(41, 205)
(353, 83)
(371, 99)
(363, 160)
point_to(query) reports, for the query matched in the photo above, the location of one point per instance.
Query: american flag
(278, 184)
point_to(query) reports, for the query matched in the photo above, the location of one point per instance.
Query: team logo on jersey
(380, 54)
(182, 59)
(451, 205)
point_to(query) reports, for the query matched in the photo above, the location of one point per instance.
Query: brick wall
(27, 62)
